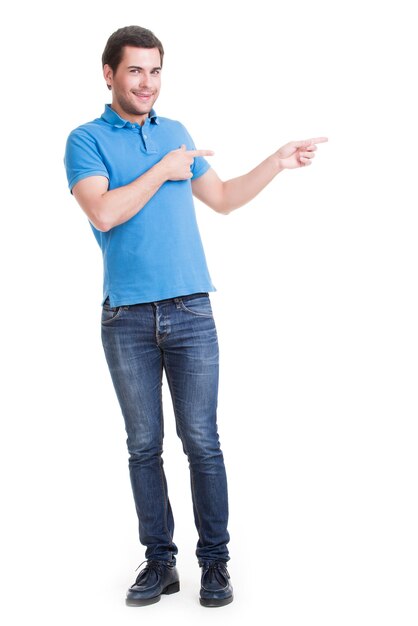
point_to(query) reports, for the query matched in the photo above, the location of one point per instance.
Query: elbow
(103, 228)
(223, 208)
(100, 220)
(101, 224)
(100, 216)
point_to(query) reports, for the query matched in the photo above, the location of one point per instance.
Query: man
(134, 174)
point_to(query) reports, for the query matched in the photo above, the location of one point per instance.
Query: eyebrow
(138, 67)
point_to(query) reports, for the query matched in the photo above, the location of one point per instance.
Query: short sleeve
(82, 157)
(200, 164)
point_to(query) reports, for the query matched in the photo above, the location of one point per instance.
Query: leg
(135, 364)
(191, 362)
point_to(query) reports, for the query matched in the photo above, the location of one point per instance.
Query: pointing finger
(196, 153)
(319, 140)
(308, 142)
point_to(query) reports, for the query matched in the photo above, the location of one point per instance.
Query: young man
(134, 175)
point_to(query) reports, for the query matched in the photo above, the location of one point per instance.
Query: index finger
(196, 153)
(308, 142)
(319, 140)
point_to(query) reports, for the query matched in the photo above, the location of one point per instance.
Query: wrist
(161, 171)
(277, 163)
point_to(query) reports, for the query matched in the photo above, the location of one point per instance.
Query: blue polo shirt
(158, 253)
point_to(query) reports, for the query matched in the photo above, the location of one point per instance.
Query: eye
(155, 72)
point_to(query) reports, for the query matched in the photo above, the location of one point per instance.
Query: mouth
(143, 96)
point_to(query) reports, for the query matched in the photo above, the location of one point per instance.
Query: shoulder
(170, 124)
(89, 130)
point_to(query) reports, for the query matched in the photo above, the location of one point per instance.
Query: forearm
(238, 191)
(119, 205)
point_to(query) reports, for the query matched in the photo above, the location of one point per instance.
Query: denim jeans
(178, 336)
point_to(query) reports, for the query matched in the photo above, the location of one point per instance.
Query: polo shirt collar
(111, 117)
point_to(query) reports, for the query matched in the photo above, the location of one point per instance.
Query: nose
(144, 80)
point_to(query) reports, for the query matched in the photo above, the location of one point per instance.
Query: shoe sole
(215, 601)
(173, 588)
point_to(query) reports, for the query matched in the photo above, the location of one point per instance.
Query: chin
(142, 110)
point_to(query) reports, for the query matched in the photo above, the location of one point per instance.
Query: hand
(298, 153)
(177, 162)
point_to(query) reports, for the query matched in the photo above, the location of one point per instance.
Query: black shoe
(156, 578)
(216, 590)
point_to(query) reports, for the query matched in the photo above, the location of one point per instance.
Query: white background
(316, 309)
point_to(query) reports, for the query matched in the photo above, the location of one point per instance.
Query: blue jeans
(178, 336)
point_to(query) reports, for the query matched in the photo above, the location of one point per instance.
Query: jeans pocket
(199, 306)
(110, 313)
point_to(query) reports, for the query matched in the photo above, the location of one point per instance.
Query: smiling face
(136, 83)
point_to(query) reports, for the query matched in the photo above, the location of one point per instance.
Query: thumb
(183, 147)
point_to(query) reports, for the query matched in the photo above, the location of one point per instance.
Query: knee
(143, 451)
(202, 448)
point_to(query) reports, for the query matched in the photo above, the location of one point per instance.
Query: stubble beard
(128, 107)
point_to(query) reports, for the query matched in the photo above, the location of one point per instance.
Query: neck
(135, 119)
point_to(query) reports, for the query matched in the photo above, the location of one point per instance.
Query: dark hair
(129, 36)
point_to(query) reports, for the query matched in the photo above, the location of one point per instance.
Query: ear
(108, 75)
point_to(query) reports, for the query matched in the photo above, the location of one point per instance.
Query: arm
(226, 196)
(106, 209)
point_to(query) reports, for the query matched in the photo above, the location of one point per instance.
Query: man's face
(136, 82)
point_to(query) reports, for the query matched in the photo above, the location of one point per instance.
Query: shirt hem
(84, 175)
(144, 299)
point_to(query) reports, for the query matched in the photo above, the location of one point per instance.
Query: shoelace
(150, 566)
(218, 571)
